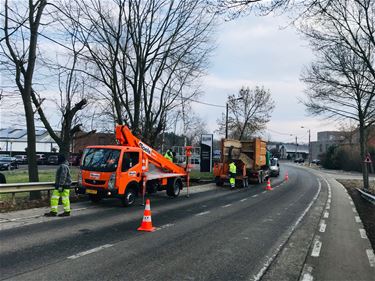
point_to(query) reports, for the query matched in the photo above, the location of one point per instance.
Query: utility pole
(309, 149)
(295, 155)
(226, 121)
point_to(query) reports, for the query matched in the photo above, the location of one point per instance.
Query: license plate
(91, 191)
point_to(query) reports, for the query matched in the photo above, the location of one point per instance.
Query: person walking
(63, 182)
(232, 174)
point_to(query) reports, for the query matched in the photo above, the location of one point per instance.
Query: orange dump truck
(250, 157)
(127, 170)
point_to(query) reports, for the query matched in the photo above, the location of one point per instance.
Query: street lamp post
(309, 143)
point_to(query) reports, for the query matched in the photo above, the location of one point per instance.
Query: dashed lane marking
(351, 203)
(325, 214)
(256, 195)
(323, 226)
(358, 219)
(81, 254)
(363, 233)
(243, 200)
(317, 247)
(165, 226)
(328, 206)
(226, 206)
(203, 213)
(329, 201)
(264, 191)
(371, 257)
(354, 210)
(307, 273)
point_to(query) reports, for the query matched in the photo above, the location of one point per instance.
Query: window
(129, 160)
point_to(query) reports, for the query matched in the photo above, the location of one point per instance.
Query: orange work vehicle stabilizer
(269, 185)
(286, 176)
(146, 222)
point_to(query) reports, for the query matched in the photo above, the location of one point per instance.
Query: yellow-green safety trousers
(232, 174)
(64, 199)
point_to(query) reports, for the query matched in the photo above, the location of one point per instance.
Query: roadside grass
(201, 176)
(16, 176)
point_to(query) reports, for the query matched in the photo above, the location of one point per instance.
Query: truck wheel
(218, 181)
(129, 197)
(174, 186)
(95, 198)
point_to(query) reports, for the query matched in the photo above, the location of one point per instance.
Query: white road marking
(269, 260)
(325, 215)
(81, 254)
(264, 191)
(243, 200)
(351, 203)
(358, 219)
(328, 206)
(203, 213)
(354, 210)
(307, 273)
(165, 226)
(317, 247)
(256, 195)
(329, 201)
(323, 226)
(371, 257)
(226, 206)
(363, 233)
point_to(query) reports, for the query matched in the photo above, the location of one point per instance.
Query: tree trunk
(363, 147)
(31, 145)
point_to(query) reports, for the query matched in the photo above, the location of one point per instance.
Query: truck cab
(111, 171)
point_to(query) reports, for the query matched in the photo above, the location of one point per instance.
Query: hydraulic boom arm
(125, 137)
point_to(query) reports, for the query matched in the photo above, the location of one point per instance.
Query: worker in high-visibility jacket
(63, 182)
(232, 174)
(169, 155)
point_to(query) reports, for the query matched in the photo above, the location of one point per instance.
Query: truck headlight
(111, 182)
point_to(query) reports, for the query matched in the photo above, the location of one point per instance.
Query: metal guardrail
(13, 188)
(367, 196)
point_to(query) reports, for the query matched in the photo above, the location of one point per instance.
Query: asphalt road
(213, 235)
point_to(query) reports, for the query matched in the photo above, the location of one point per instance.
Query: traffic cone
(286, 176)
(269, 185)
(146, 222)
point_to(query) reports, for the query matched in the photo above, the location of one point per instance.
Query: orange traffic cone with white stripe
(146, 222)
(269, 185)
(286, 176)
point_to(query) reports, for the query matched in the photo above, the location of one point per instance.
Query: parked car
(53, 160)
(316, 161)
(274, 167)
(21, 159)
(74, 160)
(8, 163)
(299, 160)
(41, 159)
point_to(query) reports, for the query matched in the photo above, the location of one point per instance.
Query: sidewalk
(340, 249)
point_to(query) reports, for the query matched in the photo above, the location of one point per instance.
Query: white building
(15, 140)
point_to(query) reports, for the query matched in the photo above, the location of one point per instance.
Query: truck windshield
(100, 159)
(273, 162)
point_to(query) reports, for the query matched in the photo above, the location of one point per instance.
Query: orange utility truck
(128, 169)
(250, 157)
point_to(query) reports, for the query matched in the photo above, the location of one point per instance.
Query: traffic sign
(368, 159)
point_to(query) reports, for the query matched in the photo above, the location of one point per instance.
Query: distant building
(292, 151)
(327, 139)
(14, 141)
(83, 139)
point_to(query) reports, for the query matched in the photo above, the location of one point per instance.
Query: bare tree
(145, 53)
(249, 112)
(341, 81)
(19, 46)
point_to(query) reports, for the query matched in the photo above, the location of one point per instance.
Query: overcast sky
(250, 51)
(262, 51)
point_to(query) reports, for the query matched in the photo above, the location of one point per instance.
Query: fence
(13, 188)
